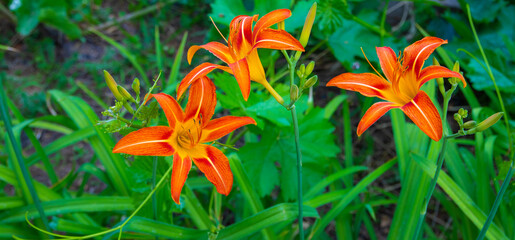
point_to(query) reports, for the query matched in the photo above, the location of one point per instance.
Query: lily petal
(149, 141)
(240, 70)
(220, 127)
(202, 100)
(218, 49)
(198, 72)
(432, 72)
(270, 19)
(376, 111)
(241, 34)
(367, 84)
(424, 114)
(389, 63)
(416, 53)
(172, 109)
(215, 165)
(181, 168)
(277, 39)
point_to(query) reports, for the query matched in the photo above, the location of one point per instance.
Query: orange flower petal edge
(186, 136)
(401, 86)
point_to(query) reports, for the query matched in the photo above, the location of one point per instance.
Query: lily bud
(457, 117)
(440, 82)
(302, 69)
(469, 124)
(294, 92)
(308, 24)
(487, 123)
(463, 113)
(112, 85)
(125, 94)
(310, 82)
(136, 86)
(455, 68)
(309, 68)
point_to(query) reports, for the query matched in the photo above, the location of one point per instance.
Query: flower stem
(431, 188)
(299, 168)
(497, 202)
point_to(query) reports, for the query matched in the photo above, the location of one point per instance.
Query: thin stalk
(25, 173)
(154, 172)
(431, 188)
(120, 227)
(497, 202)
(299, 168)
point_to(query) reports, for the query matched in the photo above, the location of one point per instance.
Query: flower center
(188, 134)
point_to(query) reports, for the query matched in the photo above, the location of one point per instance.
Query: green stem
(497, 202)
(299, 168)
(431, 188)
(21, 163)
(154, 172)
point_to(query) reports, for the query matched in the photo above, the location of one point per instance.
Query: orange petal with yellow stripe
(215, 165)
(198, 72)
(172, 109)
(388, 61)
(277, 39)
(149, 141)
(367, 84)
(376, 111)
(416, 53)
(220, 127)
(202, 100)
(423, 113)
(218, 49)
(180, 170)
(270, 19)
(433, 72)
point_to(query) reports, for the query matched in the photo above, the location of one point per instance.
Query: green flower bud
(309, 68)
(308, 24)
(463, 113)
(302, 69)
(469, 124)
(294, 92)
(310, 82)
(136, 86)
(125, 94)
(112, 85)
(487, 123)
(457, 117)
(456, 68)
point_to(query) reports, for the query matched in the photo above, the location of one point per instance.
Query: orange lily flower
(401, 86)
(185, 136)
(241, 52)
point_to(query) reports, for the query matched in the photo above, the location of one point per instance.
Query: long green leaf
(174, 73)
(161, 229)
(7, 175)
(277, 214)
(462, 200)
(84, 117)
(359, 188)
(73, 205)
(331, 178)
(248, 190)
(11, 202)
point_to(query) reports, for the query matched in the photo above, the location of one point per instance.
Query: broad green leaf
(277, 145)
(460, 198)
(277, 214)
(73, 205)
(480, 80)
(223, 11)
